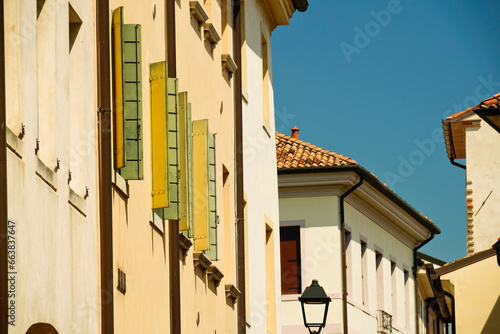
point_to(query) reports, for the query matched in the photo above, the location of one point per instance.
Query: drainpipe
(173, 230)
(105, 166)
(4, 216)
(415, 271)
(457, 164)
(342, 245)
(453, 324)
(240, 221)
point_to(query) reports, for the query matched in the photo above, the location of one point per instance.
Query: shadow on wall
(493, 323)
(41, 328)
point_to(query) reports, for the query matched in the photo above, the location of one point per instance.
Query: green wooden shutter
(212, 197)
(132, 91)
(173, 210)
(118, 119)
(159, 132)
(185, 164)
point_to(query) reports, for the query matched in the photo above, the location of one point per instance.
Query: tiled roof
(295, 153)
(492, 102)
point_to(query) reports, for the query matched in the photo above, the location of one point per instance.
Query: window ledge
(211, 34)
(120, 184)
(232, 292)
(77, 202)
(215, 274)
(46, 174)
(244, 95)
(184, 243)
(15, 144)
(228, 64)
(198, 12)
(156, 221)
(201, 260)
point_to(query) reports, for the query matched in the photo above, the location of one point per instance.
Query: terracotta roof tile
(491, 102)
(295, 153)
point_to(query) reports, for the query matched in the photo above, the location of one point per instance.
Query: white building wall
(260, 179)
(483, 185)
(56, 226)
(321, 259)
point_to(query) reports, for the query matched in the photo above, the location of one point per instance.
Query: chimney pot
(295, 132)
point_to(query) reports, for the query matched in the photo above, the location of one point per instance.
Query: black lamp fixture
(314, 302)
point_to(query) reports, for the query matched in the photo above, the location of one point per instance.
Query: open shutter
(132, 90)
(185, 164)
(173, 210)
(212, 198)
(159, 131)
(201, 185)
(119, 124)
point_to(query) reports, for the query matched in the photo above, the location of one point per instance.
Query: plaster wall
(319, 220)
(483, 186)
(477, 296)
(260, 179)
(56, 226)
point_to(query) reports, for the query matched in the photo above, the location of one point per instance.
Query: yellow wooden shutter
(159, 153)
(201, 185)
(185, 162)
(119, 123)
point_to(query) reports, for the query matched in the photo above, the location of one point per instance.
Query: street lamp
(314, 302)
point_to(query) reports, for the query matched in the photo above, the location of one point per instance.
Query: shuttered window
(159, 157)
(185, 164)
(128, 98)
(201, 185)
(173, 209)
(290, 260)
(212, 198)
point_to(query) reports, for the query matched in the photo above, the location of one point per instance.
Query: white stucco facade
(375, 223)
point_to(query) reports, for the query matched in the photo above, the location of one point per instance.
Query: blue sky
(373, 79)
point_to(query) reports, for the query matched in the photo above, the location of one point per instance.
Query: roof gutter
(4, 216)
(452, 160)
(344, 260)
(238, 128)
(415, 271)
(105, 165)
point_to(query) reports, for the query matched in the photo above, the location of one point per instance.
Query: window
(46, 62)
(270, 277)
(394, 291)
(265, 81)
(407, 298)
(290, 260)
(380, 280)
(205, 195)
(348, 262)
(127, 70)
(364, 272)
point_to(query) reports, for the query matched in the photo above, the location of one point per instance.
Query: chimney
(295, 132)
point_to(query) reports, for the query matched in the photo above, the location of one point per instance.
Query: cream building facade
(52, 194)
(132, 146)
(329, 203)
(469, 137)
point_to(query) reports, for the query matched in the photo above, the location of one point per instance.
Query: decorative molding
(232, 292)
(198, 12)
(211, 34)
(215, 274)
(228, 64)
(200, 259)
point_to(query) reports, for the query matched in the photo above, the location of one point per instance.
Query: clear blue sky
(373, 79)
